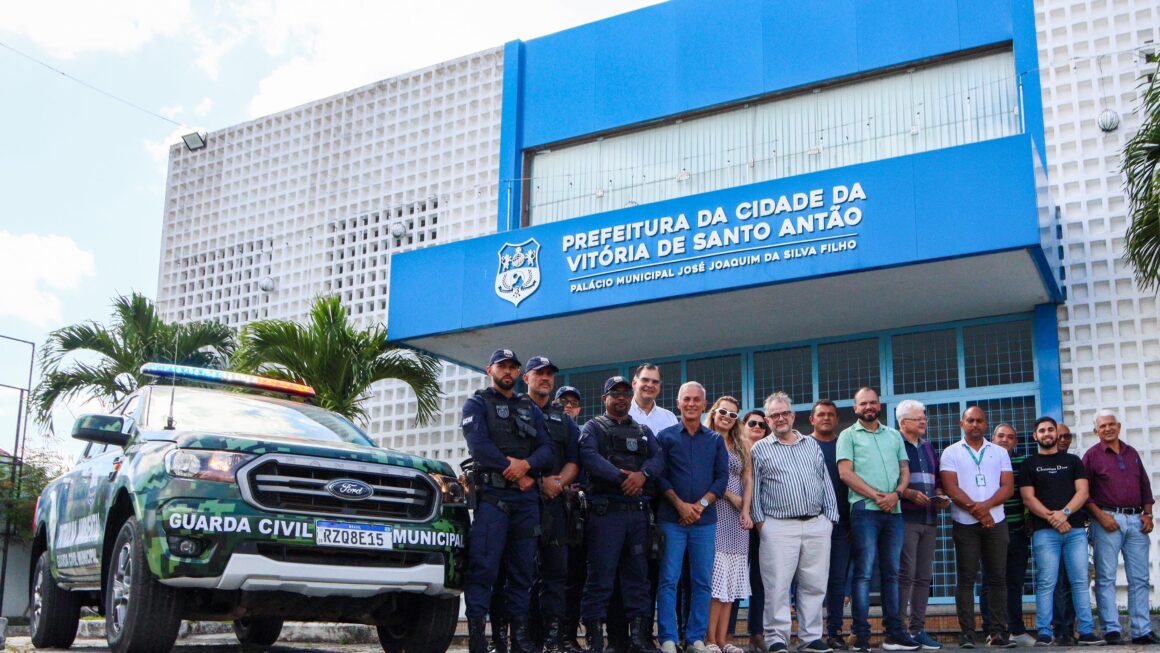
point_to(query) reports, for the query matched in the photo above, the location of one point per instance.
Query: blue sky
(82, 176)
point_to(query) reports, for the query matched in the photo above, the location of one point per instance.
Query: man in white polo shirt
(978, 478)
(646, 386)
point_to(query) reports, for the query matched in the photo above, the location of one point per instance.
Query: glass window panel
(843, 367)
(1019, 412)
(998, 354)
(925, 362)
(590, 385)
(788, 370)
(670, 383)
(720, 375)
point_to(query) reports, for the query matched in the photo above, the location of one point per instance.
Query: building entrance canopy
(951, 234)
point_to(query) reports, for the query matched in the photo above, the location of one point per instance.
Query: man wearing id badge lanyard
(872, 462)
(978, 478)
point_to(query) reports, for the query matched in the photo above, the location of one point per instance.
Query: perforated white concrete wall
(315, 200)
(1092, 56)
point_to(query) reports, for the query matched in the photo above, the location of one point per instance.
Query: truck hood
(245, 443)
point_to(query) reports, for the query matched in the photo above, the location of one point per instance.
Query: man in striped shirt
(794, 509)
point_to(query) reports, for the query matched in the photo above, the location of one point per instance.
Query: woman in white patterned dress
(731, 561)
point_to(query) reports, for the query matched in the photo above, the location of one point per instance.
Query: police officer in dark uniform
(621, 459)
(568, 398)
(540, 376)
(509, 443)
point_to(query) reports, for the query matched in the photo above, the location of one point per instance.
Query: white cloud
(67, 28)
(203, 107)
(35, 269)
(171, 112)
(336, 48)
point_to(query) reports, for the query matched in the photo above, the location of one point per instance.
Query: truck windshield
(221, 411)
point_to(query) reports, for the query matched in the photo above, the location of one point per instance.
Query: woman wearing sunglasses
(754, 428)
(731, 562)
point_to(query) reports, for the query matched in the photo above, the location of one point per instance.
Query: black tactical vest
(624, 445)
(557, 422)
(510, 426)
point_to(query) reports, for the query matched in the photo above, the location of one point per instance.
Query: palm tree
(1142, 185)
(137, 336)
(337, 359)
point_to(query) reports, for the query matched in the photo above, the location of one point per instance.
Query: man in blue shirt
(622, 459)
(509, 443)
(696, 472)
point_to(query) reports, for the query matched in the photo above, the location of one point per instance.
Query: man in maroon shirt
(1120, 502)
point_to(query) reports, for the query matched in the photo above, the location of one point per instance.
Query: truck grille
(297, 484)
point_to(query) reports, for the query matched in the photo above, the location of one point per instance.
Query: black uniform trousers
(554, 560)
(616, 550)
(505, 530)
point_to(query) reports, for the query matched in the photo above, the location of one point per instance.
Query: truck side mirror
(106, 429)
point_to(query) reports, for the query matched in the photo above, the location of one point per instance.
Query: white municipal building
(758, 195)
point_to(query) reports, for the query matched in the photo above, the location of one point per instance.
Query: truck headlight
(206, 465)
(451, 489)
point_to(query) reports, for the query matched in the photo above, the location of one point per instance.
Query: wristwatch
(704, 502)
(1067, 512)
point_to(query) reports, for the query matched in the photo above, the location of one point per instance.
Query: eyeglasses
(726, 413)
(570, 403)
(785, 414)
(753, 423)
(619, 394)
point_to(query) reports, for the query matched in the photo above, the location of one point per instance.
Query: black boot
(476, 635)
(521, 641)
(499, 636)
(553, 636)
(568, 641)
(594, 636)
(640, 635)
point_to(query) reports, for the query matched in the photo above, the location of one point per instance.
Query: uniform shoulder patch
(467, 420)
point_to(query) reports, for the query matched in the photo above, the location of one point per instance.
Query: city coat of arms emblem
(519, 271)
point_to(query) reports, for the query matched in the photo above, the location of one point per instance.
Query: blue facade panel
(687, 55)
(957, 202)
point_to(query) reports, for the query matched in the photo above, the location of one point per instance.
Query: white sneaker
(697, 647)
(1023, 639)
(669, 647)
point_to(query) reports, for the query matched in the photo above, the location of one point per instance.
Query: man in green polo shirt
(872, 462)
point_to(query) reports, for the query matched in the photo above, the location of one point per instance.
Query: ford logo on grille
(349, 489)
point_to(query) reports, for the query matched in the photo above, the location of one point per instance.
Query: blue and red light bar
(203, 375)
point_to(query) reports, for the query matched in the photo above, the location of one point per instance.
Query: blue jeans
(1048, 546)
(876, 539)
(836, 586)
(1133, 543)
(700, 541)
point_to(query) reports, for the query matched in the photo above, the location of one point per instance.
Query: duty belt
(496, 480)
(604, 506)
(1124, 511)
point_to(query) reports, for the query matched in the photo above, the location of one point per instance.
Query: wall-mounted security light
(1108, 120)
(399, 229)
(267, 284)
(194, 141)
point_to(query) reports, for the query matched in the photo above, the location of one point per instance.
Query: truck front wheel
(423, 624)
(54, 612)
(141, 614)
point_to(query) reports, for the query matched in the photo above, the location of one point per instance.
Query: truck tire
(141, 614)
(257, 631)
(423, 624)
(54, 612)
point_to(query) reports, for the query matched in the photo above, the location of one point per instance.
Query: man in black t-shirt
(1054, 487)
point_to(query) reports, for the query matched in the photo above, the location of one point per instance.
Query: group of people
(686, 514)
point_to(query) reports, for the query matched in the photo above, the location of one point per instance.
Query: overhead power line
(90, 86)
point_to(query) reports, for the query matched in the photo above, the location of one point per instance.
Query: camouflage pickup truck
(211, 503)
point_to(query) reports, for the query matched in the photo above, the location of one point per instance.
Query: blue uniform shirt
(596, 466)
(841, 492)
(694, 465)
(486, 454)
